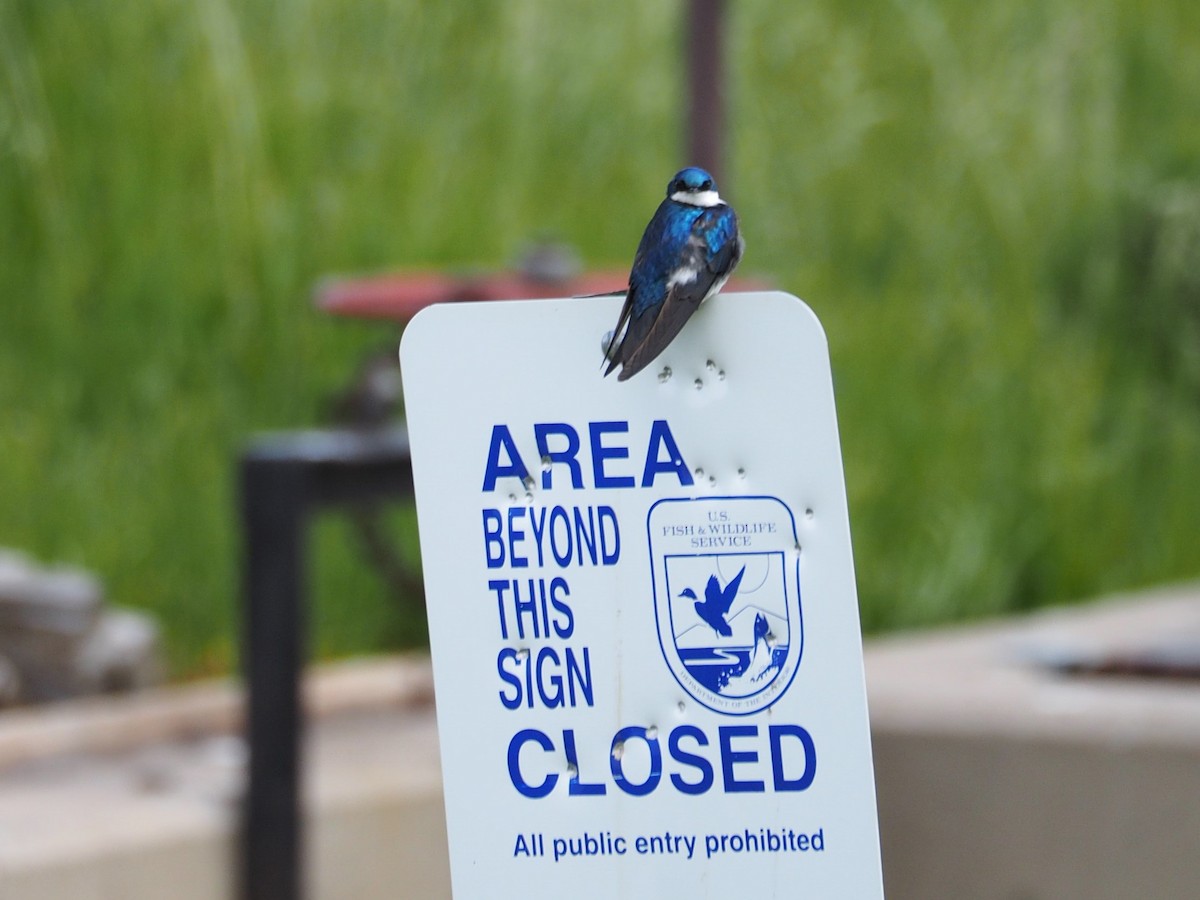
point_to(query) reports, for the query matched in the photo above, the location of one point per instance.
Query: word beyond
(579, 536)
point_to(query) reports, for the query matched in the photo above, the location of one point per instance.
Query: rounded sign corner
(416, 326)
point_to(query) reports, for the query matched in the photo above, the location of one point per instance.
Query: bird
(687, 252)
(717, 602)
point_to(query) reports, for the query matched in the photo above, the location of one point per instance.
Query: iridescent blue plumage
(687, 252)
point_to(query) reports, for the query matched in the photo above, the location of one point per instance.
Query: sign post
(642, 612)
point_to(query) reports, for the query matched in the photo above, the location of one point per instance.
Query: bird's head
(689, 593)
(695, 187)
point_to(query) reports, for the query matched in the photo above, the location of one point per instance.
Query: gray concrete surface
(137, 797)
(998, 778)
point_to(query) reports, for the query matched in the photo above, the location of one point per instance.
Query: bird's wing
(708, 254)
(723, 242)
(731, 589)
(649, 334)
(641, 297)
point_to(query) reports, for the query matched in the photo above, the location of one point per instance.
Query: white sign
(642, 609)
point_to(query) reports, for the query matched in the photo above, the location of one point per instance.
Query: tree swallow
(687, 253)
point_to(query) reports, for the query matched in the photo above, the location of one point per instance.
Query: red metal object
(401, 295)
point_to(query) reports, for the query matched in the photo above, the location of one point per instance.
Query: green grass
(994, 207)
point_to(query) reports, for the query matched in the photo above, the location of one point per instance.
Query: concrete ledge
(137, 797)
(113, 724)
(1000, 778)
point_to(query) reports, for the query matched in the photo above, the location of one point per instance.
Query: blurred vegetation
(993, 206)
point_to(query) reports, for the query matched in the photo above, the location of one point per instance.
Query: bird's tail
(612, 352)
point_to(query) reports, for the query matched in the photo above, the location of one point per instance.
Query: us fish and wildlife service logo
(727, 598)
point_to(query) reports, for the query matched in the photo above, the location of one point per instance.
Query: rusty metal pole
(706, 77)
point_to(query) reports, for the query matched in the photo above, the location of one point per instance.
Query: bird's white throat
(698, 198)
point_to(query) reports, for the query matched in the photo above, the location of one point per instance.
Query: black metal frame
(284, 479)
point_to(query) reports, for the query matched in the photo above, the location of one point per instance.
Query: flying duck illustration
(717, 602)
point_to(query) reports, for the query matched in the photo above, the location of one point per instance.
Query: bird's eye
(707, 186)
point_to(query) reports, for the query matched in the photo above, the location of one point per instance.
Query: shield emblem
(727, 598)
